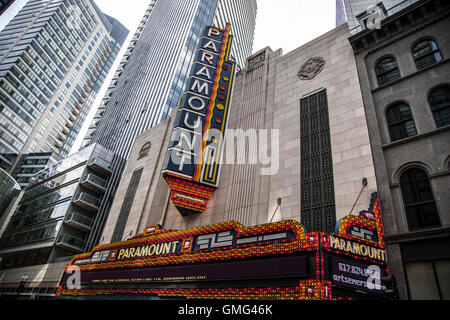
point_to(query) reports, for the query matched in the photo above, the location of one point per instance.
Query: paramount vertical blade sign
(192, 164)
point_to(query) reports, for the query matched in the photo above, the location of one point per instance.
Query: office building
(154, 76)
(153, 73)
(54, 57)
(7, 161)
(54, 217)
(4, 5)
(9, 189)
(30, 164)
(404, 71)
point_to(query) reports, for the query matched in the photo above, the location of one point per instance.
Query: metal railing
(101, 162)
(95, 180)
(71, 241)
(80, 219)
(62, 259)
(87, 198)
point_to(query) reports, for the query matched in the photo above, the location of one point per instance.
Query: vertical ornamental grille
(126, 206)
(318, 209)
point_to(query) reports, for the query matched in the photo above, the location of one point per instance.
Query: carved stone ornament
(311, 68)
(257, 61)
(145, 150)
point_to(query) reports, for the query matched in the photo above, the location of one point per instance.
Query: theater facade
(281, 220)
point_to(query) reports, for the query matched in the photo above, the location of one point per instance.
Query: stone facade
(427, 150)
(267, 96)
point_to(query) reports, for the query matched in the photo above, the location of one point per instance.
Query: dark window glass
(387, 71)
(428, 280)
(440, 106)
(400, 122)
(426, 53)
(418, 197)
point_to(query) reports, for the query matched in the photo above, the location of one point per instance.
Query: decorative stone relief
(311, 68)
(256, 61)
(145, 150)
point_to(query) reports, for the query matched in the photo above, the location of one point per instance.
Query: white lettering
(204, 71)
(193, 99)
(210, 45)
(190, 143)
(208, 57)
(183, 157)
(200, 87)
(213, 32)
(197, 124)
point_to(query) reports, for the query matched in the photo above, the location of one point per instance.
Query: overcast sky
(285, 24)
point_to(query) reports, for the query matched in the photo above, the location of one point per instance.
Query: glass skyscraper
(57, 211)
(341, 17)
(54, 57)
(154, 71)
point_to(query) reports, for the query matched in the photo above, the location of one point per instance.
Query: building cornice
(392, 30)
(418, 235)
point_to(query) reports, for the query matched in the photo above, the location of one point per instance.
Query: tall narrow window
(440, 106)
(387, 71)
(400, 122)
(318, 208)
(418, 198)
(426, 54)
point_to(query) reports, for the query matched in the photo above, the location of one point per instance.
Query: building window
(387, 71)
(428, 280)
(426, 54)
(418, 198)
(440, 106)
(400, 122)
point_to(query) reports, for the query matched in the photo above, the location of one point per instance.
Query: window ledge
(418, 235)
(415, 138)
(379, 88)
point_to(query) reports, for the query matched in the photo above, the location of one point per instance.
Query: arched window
(387, 70)
(400, 122)
(418, 197)
(426, 53)
(440, 105)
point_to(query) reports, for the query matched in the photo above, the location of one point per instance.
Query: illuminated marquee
(361, 235)
(192, 165)
(356, 248)
(357, 251)
(191, 263)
